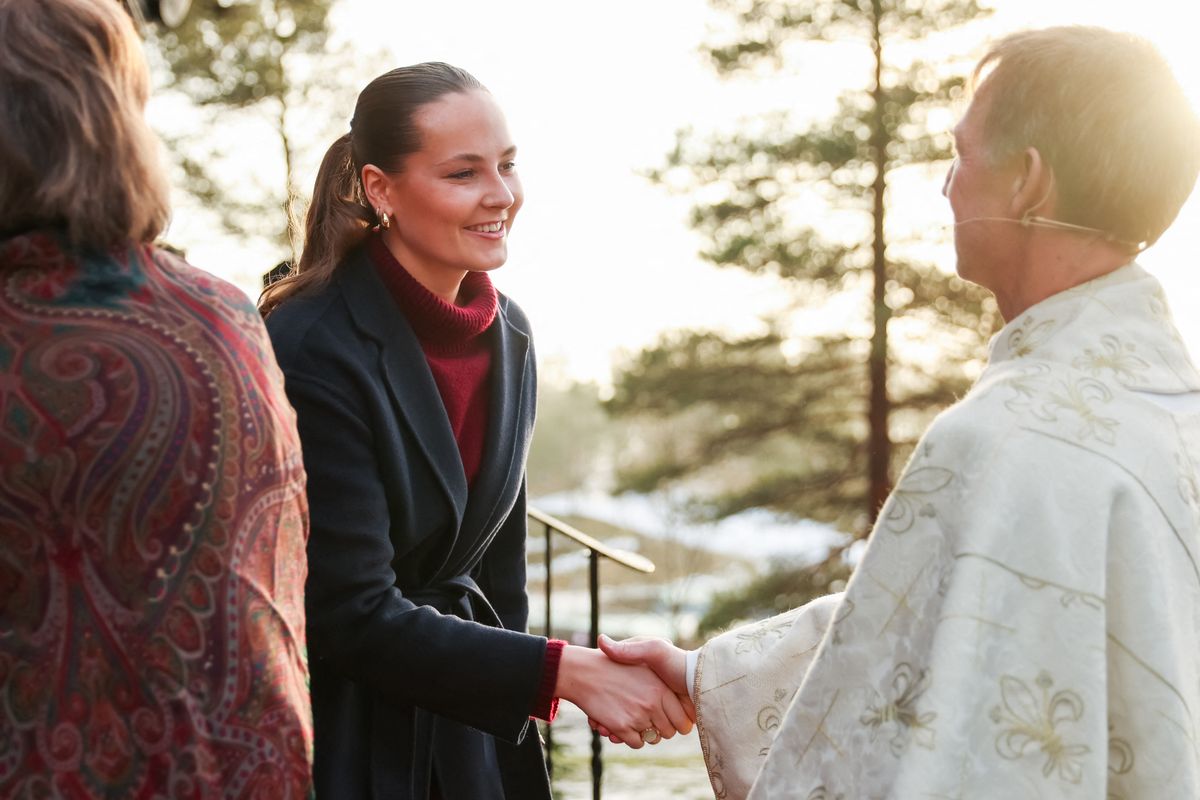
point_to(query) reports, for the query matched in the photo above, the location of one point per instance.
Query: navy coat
(416, 596)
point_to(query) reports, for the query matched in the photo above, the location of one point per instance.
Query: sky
(601, 259)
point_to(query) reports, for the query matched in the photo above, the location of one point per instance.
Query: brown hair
(1107, 114)
(384, 130)
(75, 149)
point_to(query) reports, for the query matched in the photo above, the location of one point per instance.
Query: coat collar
(419, 404)
(506, 441)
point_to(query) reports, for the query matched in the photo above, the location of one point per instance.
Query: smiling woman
(413, 382)
(455, 199)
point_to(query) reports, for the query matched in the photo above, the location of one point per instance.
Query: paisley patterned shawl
(153, 525)
(1025, 621)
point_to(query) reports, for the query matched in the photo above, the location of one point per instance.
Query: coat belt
(448, 596)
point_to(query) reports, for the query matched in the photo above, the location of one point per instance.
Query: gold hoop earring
(384, 222)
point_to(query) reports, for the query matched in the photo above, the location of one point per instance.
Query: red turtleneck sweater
(460, 358)
(458, 353)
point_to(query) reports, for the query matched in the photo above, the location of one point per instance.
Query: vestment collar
(1116, 328)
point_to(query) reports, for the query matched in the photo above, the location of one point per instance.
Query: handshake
(633, 691)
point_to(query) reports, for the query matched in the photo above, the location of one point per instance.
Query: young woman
(413, 383)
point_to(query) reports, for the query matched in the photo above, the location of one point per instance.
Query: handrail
(623, 557)
(596, 549)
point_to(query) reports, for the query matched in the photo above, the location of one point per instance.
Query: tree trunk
(879, 441)
(293, 226)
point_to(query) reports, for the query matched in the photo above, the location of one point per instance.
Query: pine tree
(810, 426)
(269, 57)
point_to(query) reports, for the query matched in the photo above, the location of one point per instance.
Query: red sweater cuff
(546, 705)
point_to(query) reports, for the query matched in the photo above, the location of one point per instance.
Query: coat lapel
(507, 437)
(407, 374)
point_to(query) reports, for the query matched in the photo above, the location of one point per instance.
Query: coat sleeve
(359, 622)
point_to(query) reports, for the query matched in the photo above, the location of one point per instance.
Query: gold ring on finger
(651, 736)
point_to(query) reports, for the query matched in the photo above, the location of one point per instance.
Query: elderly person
(1024, 620)
(152, 510)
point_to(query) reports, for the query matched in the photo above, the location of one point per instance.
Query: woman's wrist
(576, 670)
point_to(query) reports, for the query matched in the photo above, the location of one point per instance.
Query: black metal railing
(596, 550)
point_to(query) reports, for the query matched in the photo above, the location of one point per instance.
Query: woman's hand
(664, 658)
(624, 699)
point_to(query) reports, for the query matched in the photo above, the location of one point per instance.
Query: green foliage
(767, 431)
(778, 420)
(264, 61)
(783, 588)
(572, 437)
(766, 27)
(231, 52)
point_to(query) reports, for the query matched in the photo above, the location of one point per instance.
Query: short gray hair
(1109, 117)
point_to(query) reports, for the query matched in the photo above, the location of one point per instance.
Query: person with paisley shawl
(152, 510)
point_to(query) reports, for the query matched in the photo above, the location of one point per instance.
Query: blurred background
(734, 253)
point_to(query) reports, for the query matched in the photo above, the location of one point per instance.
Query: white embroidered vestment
(1025, 622)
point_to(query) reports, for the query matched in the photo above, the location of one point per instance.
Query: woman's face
(454, 201)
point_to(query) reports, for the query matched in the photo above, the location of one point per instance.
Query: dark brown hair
(384, 130)
(1107, 114)
(75, 149)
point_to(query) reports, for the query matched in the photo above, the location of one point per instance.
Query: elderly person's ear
(1033, 186)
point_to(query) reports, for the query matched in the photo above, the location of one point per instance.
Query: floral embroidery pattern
(1079, 398)
(1032, 723)
(1028, 335)
(771, 717)
(1120, 762)
(822, 793)
(910, 497)
(1120, 754)
(897, 710)
(760, 637)
(1069, 597)
(1027, 385)
(1112, 356)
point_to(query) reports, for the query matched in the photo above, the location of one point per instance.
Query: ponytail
(384, 133)
(338, 220)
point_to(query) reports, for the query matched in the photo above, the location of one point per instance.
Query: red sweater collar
(441, 326)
